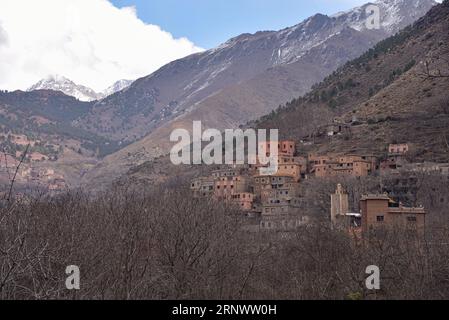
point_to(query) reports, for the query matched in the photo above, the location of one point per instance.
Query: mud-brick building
(262, 184)
(285, 147)
(278, 207)
(227, 172)
(244, 200)
(203, 187)
(341, 217)
(349, 165)
(381, 211)
(226, 187)
(398, 149)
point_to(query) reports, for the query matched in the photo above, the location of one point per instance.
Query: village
(274, 201)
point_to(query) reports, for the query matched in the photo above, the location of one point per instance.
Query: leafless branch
(15, 173)
(446, 142)
(432, 68)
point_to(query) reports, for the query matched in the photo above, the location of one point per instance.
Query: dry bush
(162, 244)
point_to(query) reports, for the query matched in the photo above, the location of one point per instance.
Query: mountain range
(82, 93)
(241, 80)
(396, 92)
(260, 70)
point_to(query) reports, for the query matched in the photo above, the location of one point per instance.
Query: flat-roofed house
(379, 210)
(202, 187)
(225, 187)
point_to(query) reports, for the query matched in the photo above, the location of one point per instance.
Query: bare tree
(13, 180)
(436, 65)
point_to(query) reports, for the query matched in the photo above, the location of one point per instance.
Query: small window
(380, 218)
(411, 219)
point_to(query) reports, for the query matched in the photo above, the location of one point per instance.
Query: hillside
(242, 80)
(197, 83)
(386, 91)
(43, 120)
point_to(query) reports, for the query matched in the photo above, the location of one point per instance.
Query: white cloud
(89, 41)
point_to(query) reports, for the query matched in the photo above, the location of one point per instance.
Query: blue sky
(94, 44)
(208, 23)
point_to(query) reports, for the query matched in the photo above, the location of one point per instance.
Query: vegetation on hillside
(386, 88)
(162, 244)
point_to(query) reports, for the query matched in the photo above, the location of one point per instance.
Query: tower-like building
(339, 205)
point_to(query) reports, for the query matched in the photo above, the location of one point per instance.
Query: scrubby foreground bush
(166, 245)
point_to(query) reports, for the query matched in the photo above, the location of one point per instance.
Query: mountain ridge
(80, 92)
(180, 86)
(245, 100)
(384, 96)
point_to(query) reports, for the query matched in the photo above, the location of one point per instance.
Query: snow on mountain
(82, 93)
(394, 15)
(298, 57)
(116, 87)
(66, 86)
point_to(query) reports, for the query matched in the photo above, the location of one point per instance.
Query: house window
(411, 219)
(380, 218)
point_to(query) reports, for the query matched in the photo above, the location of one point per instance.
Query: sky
(97, 42)
(209, 23)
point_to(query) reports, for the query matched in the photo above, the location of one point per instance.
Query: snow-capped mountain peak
(80, 92)
(66, 86)
(116, 87)
(392, 14)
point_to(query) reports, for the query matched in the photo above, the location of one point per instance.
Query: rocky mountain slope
(189, 84)
(387, 95)
(43, 119)
(391, 93)
(241, 80)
